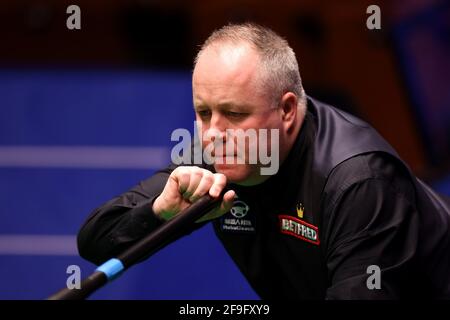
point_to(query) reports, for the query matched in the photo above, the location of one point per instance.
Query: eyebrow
(226, 106)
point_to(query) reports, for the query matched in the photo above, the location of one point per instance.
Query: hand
(188, 184)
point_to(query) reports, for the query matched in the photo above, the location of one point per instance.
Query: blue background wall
(97, 109)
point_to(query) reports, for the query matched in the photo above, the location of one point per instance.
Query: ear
(289, 103)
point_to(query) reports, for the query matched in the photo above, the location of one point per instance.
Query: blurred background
(86, 114)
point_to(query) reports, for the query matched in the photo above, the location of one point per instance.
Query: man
(341, 204)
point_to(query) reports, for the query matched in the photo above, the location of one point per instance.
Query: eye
(233, 114)
(204, 113)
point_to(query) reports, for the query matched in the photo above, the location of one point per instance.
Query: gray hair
(280, 72)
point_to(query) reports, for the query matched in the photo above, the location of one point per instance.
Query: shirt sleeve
(372, 241)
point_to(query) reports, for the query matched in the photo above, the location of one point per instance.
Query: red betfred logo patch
(299, 229)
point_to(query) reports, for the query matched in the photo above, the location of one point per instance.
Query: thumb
(225, 206)
(227, 203)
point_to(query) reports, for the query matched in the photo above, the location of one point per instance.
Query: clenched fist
(188, 184)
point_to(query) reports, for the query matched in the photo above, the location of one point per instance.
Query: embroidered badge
(298, 228)
(238, 220)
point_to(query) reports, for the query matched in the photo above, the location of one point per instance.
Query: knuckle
(179, 172)
(179, 169)
(209, 178)
(184, 176)
(197, 173)
(220, 178)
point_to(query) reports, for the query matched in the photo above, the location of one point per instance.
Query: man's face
(228, 95)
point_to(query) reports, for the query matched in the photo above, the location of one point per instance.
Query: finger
(203, 187)
(182, 178)
(225, 206)
(228, 200)
(220, 181)
(195, 176)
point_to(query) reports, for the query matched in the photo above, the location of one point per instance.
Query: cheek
(269, 123)
(205, 140)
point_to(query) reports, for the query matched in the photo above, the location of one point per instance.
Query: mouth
(219, 154)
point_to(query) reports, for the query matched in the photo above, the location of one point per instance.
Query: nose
(218, 122)
(217, 126)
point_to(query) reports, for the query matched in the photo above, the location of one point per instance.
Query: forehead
(227, 55)
(226, 66)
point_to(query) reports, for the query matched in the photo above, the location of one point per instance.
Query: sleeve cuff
(144, 218)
